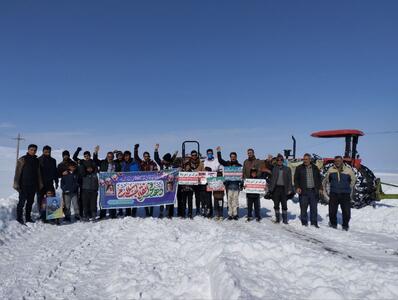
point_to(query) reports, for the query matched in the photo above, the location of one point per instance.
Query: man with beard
(146, 165)
(49, 174)
(195, 165)
(108, 165)
(27, 181)
(166, 163)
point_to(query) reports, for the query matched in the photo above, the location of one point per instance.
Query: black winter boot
(277, 216)
(284, 216)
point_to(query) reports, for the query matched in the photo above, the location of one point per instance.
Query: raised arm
(95, 155)
(156, 155)
(136, 156)
(219, 157)
(76, 154)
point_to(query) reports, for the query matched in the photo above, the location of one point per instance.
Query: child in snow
(186, 196)
(69, 186)
(205, 198)
(253, 199)
(89, 190)
(219, 201)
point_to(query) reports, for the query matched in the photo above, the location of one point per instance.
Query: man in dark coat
(146, 165)
(27, 181)
(166, 163)
(49, 174)
(109, 164)
(308, 184)
(280, 187)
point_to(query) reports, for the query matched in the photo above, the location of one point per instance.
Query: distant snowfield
(133, 258)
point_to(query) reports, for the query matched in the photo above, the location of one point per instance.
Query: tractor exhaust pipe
(294, 147)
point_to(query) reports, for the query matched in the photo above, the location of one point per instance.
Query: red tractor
(366, 185)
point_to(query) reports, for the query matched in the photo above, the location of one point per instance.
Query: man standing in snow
(106, 165)
(342, 180)
(250, 163)
(27, 181)
(146, 165)
(280, 187)
(211, 163)
(166, 163)
(308, 184)
(49, 174)
(232, 187)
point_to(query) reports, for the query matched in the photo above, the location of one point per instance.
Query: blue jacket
(70, 183)
(130, 166)
(341, 181)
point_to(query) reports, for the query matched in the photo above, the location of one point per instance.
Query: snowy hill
(133, 258)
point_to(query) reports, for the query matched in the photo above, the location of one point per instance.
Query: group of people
(41, 176)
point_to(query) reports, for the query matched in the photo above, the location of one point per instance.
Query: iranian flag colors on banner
(188, 178)
(255, 186)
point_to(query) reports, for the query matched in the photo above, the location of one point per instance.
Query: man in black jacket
(280, 187)
(166, 163)
(308, 184)
(49, 174)
(107, 165)
(27, 181)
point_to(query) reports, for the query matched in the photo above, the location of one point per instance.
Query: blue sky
(236, 73)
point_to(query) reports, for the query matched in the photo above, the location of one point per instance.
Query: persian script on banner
(54, 209)
(188, 178)
(233, 173)
(137, 189)
(215, 184)
(255, 186)
(203, 176)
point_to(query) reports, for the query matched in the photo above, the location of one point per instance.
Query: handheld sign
(203, 176)
(255, 186)
(233, 173)
(54, 208)
(215, 184)
(188, 178)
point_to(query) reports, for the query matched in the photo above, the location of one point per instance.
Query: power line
(18, 139)
(382, 132)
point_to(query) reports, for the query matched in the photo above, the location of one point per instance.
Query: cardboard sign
(54, 209)
(203, 176)
(255, 186)
(188, 178)
(233, 173)
(215, 184)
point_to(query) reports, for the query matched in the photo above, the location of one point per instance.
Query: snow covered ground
(133, 258)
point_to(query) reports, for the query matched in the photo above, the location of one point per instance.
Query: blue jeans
(309, 198)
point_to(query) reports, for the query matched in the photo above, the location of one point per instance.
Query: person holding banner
(129, 165)
(232, 186)
(107, 165)
(186, 196)
(196, 166)
(166, 163)
(146, 165)
(253, 199)
(213, 165)
(281, 187)
(218, 196)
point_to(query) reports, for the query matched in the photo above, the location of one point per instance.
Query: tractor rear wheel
(364, 190)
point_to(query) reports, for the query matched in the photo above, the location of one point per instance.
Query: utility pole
(18, 139)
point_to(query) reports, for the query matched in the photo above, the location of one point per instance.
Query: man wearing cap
(280, 187)
(27, 181)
